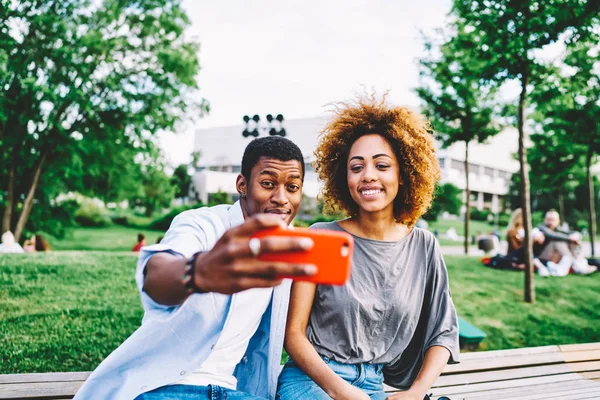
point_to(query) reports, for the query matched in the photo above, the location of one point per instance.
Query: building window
(488, 171)
(457, 165)
(442, 162)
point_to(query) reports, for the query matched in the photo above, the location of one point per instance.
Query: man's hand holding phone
(237, 262)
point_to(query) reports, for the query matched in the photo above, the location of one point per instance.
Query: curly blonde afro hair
(409, 135)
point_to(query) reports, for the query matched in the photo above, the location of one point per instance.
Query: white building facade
(490, 165)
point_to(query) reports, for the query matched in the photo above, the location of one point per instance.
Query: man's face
(551, 220)
(275, 187)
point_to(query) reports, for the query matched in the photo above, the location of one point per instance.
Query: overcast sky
(295, 57)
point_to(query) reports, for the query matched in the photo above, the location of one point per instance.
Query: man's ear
(241, 185)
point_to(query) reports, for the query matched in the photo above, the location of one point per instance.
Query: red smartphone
(331, 253)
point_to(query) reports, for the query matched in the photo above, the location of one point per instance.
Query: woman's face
(373, 174)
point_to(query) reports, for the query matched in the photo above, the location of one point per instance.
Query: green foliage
(448, 198)
(164, 221)
(181, 180)
(503, 219)
(219, 198)
(84, 87)
(456, 98)
(54, 218)
(91, 213)
(480, 215)
(158, 192)
(66, 311)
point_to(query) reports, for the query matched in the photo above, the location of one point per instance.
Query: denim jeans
(294, 384)
(189, 392)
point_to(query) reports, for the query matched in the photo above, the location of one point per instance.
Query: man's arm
(551, 235)
(229, 267)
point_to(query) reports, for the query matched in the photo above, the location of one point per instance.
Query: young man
(562, 248)
(214, 314)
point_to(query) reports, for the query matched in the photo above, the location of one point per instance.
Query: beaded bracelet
(188, 275)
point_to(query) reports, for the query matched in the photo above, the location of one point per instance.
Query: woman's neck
(376, 226)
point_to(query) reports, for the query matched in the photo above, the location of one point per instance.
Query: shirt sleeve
(190, 232)
(442, 326)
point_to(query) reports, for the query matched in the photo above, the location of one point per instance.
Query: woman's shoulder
(424, 236)
(332, 225)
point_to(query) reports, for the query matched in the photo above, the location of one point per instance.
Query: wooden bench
(536, 373)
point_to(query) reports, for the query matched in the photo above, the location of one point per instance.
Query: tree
(85, 83)
(157, 190)
(568, 100)
(181, 180)
(448, 199)
(457, 100)
(508, 33)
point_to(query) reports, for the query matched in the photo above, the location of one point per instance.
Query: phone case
(331, 253)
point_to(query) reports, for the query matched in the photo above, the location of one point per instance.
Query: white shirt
(247, 309)
(173, 341)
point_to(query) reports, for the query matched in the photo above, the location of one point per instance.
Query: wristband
(188, 275)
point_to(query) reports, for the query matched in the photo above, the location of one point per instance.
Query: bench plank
(46, 390)
(564, 394)
(44, 377)
(522, 390)
(515, 383)
(495, 363)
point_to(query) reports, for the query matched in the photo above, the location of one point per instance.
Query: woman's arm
(302, 351)
(436, 358)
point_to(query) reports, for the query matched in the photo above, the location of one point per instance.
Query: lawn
(122, 238)
(66, 311)
(110, 238)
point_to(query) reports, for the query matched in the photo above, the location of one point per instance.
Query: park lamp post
(274, 126)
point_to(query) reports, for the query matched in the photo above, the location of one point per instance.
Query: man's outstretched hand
(231, 266)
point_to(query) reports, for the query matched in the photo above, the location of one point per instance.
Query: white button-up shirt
(174, 341)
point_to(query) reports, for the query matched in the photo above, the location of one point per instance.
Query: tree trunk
(10, 200)
(561, 203)
(30, 195)
(592, 197)
(468, 194)
(525, 196)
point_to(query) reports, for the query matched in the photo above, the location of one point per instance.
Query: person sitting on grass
(35, 244)
(141, 242)
(214, 314)
(9, 244)
(562, 248)
(515, 236)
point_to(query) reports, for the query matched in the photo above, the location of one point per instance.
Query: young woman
(394, 320)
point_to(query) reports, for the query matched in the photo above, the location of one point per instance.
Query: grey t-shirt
(394, 307)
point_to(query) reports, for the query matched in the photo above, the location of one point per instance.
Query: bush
(51, 218)
(163, 222)
(130, 220)
(91, 213)
(480, 215)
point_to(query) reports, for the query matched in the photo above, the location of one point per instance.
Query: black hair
(141, 237)
(276, 147)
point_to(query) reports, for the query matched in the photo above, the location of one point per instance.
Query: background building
(491, 165)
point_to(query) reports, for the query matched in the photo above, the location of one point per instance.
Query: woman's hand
(408, 395)
(351, 393)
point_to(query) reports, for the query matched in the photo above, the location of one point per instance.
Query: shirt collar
(236, 216)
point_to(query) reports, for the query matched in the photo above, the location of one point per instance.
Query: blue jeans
(211, 392)
(294, 384)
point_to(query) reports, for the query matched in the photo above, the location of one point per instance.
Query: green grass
(567, 309)
(66, 311)
(110, 238)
